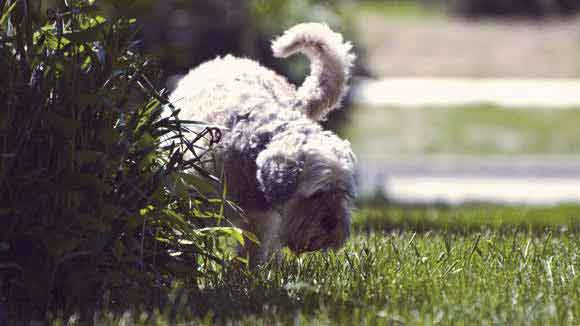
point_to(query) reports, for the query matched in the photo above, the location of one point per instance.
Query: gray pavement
(535, 180)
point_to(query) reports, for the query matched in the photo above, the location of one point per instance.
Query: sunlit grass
(492, 274)
(401, 9)
(471, 130)
(468, 218)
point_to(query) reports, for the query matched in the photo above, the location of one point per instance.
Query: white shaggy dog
(293, 179)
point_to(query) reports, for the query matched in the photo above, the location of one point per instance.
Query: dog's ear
(278, 177)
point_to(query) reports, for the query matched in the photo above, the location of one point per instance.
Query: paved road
(457, 179)
(513, 93)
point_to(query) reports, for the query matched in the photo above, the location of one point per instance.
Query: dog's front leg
(266, 226)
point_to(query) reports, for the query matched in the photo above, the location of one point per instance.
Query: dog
(294, 181)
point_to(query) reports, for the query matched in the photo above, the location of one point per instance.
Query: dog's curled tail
(331, 60)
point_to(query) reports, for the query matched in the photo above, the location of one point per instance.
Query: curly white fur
(330, 62)
(293, 179)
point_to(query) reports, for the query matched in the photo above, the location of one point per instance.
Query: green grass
(468, 218)
(401, 9)
(472, 130)
(409, 278)
(497, 273)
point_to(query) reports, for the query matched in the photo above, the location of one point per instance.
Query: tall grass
(401, 277)
(97, 211)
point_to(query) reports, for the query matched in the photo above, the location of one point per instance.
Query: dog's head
(312, 185)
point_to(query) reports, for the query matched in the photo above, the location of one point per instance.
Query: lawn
(468, 218)
(411, 10)
(520, 271)
(472, 130)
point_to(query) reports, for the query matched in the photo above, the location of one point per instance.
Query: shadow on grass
(275, 293)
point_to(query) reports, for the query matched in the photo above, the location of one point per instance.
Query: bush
(97, 211)
(524, 8)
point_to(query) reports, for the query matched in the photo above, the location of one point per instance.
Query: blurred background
(452, 101)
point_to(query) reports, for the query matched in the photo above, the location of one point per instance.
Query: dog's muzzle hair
(293, 179)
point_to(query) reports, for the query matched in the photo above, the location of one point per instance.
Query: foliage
(516, 8)
(98, 210)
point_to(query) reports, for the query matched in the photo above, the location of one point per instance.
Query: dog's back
(224, 86)
(228, 86)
